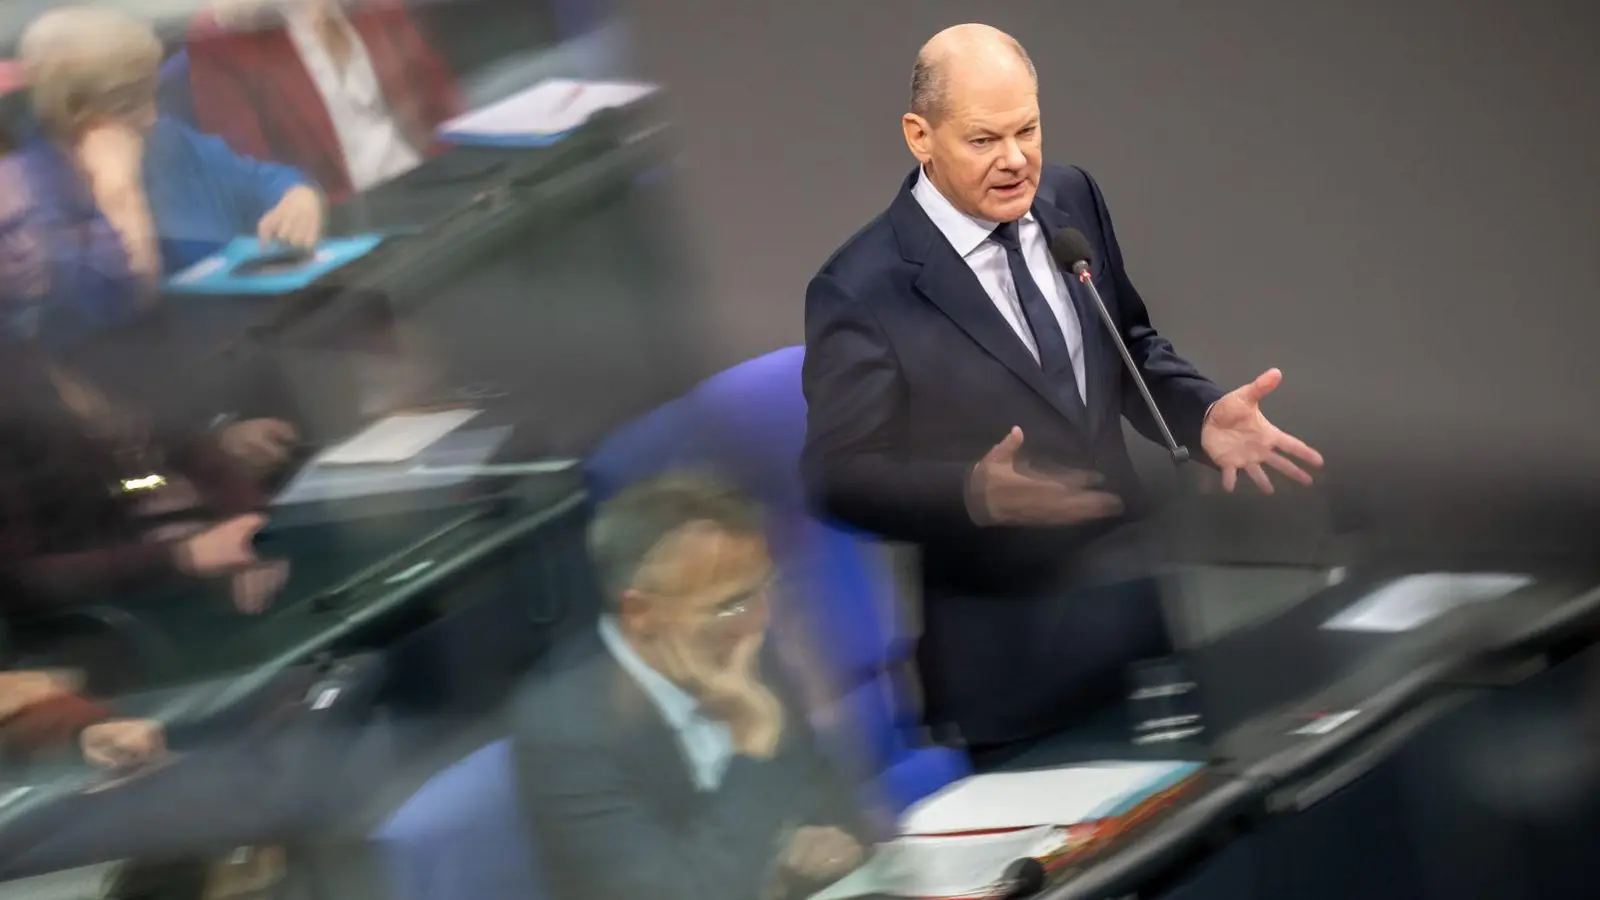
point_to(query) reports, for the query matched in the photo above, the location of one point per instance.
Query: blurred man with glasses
(666, 758)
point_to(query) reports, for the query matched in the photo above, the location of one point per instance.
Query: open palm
(1238, 437)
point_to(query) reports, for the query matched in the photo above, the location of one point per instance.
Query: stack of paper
(395, 439)
(541, 113)
(1065, 796)
(1416, 600)
(960, 841)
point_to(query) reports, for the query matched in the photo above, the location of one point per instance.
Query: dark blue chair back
(746, 425)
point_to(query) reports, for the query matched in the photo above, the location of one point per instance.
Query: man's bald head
(974, 122)
(955, 55)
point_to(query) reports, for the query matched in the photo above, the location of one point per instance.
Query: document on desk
(1063, 796)
(1416, 600)
(542, 112)
(947, 866)
(396, 439)
(454, 459)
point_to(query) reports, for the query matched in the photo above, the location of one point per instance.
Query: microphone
(1073, 254)
(1023, 878)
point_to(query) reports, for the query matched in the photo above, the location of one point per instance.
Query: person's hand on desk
(1004, 491)
(1238, 437)
(296, 220)
(20, 690)
(123, 743)
(227, 549)
(261, 444)
(814, 856)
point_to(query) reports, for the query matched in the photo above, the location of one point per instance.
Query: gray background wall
(1396, 202)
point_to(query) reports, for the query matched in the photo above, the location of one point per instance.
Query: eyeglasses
(735, 607)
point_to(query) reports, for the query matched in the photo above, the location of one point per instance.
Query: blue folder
(528, 140)
(215, 274)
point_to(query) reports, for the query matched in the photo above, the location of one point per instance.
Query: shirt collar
(675, 704)
(965, 233)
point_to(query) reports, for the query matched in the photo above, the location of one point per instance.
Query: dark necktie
(1054, 357)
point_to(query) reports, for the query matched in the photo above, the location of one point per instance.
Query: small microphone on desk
(1023, 878)
(1073, 254)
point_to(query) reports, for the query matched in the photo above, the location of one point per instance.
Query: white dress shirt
(972, 239)
(375, 150)
(707, 743)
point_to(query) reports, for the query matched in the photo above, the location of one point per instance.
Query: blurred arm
(48, 725)
(1181, 393)
(855, 463)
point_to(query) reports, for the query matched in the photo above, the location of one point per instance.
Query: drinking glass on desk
(1164, 703)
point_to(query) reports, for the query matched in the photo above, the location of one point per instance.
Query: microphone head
(1023, 878)
(1071, 250)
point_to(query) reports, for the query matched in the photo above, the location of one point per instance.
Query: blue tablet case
(215, 273)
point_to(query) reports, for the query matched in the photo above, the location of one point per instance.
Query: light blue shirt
(707, 744)
(971, 238)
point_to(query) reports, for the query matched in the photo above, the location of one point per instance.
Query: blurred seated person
(347, 91)
(262, 445)
(42, 715)
(73, 467)
(120, 197)
(665, 758)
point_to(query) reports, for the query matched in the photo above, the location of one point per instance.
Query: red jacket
(48, 726)
(251, 89)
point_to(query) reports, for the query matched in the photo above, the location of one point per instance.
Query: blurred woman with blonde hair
(120, 196)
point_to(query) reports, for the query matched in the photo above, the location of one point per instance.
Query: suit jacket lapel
(1096, 352)
(646, 739)
(949, 284)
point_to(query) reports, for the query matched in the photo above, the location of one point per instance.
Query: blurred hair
(930, 81)
(629, 526)
(78, 60)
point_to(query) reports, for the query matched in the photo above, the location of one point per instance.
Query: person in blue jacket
(117, 197)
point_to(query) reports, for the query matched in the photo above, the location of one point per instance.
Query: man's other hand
(261, 444)
(123, 743)
(254, 588)
(222, 549)
(1002, 492)
(296, 220)
(1239, 438)
(820, 854)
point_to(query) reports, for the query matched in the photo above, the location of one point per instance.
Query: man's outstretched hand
(1004, 491)
(1238, 437)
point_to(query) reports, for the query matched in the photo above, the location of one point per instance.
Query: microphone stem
(1179, 453)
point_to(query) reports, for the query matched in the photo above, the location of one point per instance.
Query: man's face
(984, 152)
(699, 605)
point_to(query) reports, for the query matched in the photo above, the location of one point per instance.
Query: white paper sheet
(1414, 601)
(548, 108)
(950, 866)
(395, 439)
(1065, 796)
(455, 458)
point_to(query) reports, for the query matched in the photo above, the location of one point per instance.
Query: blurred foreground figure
(964, 396)
(70, 466)
(666, 759)
(348, 92)
(41, 714)
(119, 198)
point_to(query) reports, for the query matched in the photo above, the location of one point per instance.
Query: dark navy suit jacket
(911, 376)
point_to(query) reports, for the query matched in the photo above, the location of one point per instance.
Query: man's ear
(633, 612)
(919, 136)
